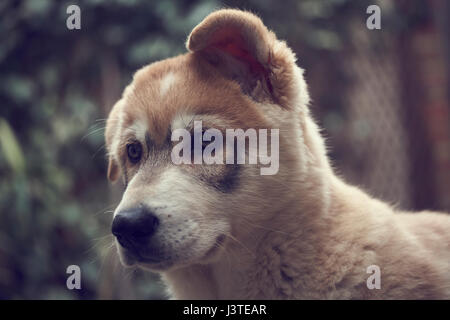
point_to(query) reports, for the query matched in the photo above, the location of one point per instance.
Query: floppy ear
(113, 170)
(112, 135)
(244, 50)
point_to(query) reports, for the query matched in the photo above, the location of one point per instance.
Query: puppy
(226, 231)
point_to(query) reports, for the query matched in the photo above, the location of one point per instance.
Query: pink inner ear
(231, 42)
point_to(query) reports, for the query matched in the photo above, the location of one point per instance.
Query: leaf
(11, 148)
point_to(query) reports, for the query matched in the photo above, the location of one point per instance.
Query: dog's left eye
(134, 151)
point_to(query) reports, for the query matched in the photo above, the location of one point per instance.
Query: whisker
(239, 242)
(262, 227)
(107, 208)
(92, 132)
(98, 150)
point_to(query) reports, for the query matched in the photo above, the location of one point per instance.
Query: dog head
(237, 74)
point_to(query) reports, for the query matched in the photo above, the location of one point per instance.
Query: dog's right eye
(134, 151)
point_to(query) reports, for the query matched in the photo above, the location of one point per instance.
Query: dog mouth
(131, 259)
(156, 262)
(133, 255)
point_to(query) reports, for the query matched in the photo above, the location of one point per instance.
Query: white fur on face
(116, 139)
(167, 82)
(138, 128)
(182, 121)
(186, 120)
(188, 227)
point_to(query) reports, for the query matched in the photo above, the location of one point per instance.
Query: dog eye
(134, 151)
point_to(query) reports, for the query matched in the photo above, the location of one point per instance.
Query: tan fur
(302, 233)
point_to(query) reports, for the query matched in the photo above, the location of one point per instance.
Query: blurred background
(382, 97)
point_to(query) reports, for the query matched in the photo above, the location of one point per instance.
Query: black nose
(134, 227)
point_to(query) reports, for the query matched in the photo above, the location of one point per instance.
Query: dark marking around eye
(227, 182)
(148, 143)
(169, 137)
(230, 180)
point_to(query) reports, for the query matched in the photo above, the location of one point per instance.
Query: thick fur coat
(235, 234)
